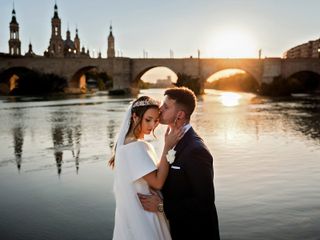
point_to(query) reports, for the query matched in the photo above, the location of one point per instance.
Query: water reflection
(258, 144)
(57, 136)
(309, 126)
(76, 148)
(303, 115)
(229, 99)
(18, 137)
(111, 133)
(66, 136)
(257, 116)
(260, 116)
(62, 137)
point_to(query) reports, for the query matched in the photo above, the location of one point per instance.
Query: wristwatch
(160, 207)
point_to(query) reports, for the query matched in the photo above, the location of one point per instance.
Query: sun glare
(232, 44)
(230, 99)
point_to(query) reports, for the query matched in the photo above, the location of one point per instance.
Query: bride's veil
(123, 128)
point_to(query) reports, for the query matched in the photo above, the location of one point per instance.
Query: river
(55, 183)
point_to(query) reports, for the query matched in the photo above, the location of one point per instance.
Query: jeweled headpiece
(147, 102)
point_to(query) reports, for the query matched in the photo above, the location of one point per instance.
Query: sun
(232, 44)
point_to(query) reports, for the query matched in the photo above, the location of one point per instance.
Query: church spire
(111, 49)
(111, 30)
(55, 10)
(68, 35)
(77, 36)
(13, 19)
(77, 41)
(30, 52)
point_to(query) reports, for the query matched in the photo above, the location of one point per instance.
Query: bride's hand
(172, 137)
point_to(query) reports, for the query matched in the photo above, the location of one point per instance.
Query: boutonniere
(171, 156)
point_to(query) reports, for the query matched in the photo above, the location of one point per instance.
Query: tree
(240, 82)
(190, 82)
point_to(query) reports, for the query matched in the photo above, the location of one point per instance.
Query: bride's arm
(157, 178)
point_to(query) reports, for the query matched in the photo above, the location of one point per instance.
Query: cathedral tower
(14, 42)
(111, 50)
(56, 43)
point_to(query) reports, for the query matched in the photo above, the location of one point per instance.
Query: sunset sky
(229, 28)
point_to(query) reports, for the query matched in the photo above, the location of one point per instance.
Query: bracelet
(160, 207)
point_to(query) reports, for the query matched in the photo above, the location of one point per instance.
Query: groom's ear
(181, 114)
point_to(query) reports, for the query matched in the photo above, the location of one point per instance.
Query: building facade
(310, 49)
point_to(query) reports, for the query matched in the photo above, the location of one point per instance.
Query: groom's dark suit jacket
(189, 191)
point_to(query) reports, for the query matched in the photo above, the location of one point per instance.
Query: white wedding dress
(133, 161)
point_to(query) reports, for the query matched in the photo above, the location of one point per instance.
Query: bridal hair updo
(138, 107)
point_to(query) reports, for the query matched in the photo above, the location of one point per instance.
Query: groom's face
(168, 111)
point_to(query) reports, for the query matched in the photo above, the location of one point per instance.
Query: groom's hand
(172, 137)
(150, 202)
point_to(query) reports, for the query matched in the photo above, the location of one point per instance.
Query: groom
(188, 193)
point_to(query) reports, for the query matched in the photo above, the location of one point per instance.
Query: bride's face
(150, 121)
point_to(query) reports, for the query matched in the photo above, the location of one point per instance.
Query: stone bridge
(126, 72)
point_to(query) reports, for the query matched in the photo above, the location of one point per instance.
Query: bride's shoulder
(144, 144)
(138, 143)
(136, 147)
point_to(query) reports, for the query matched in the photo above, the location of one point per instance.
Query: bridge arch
(78, 80)
(156, 77)
(177, 66)
(9, 78)
(232, 80)
(249, 70)
(293, 66)
(151, 68)
(304, 81)
(88, 77)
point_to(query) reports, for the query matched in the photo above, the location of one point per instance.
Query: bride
(136, 171)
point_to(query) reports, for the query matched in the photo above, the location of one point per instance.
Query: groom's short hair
(184, 97)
